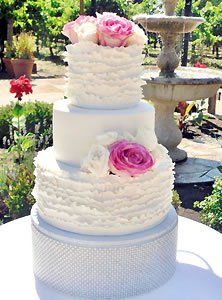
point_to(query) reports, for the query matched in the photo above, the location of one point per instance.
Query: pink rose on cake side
(113, 30)
(82, 29)
(129, 158)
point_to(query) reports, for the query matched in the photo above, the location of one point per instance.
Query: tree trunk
(37, 45)
(93, 8)
(81, 7)
(187, 12)
(10, 31)
(217, 52)
(51, 51)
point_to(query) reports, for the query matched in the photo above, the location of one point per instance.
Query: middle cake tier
(75, 129)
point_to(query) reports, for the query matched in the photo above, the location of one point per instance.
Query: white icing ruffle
(75, 201)
(104, 77)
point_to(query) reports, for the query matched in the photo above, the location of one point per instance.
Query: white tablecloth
(198, 275)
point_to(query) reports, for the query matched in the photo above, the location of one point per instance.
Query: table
(198, 274)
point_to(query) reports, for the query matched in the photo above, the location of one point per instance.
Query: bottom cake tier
(104, 267)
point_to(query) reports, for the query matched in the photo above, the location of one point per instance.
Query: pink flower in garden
(20, 86)
(129, 158)
(82, 29)
(199, 65)
(113, 30)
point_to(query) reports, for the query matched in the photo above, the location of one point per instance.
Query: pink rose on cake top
(113, 30)
(108, 29)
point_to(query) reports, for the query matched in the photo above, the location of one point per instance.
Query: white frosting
(104, 77)
(76, 201)
(75, 129)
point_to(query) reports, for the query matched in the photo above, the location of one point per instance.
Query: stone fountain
(166, 87)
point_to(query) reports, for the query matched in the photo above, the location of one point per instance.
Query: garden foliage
(29, 128)
(38, 120)
(211, 207)
(176, 202)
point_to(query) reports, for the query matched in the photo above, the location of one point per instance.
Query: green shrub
(176, 200)
(211, 207)
(38, 121)
(19, 199)
(5, 121)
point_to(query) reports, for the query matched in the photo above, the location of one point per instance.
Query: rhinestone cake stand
(96, 267)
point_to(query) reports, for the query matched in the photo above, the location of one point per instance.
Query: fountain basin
(165, 24)
(165, 93)
(190, 84)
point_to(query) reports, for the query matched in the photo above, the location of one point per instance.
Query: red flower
(20, 86)
(199, 65)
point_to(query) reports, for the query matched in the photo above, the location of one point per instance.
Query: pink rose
(69, 32)
(113, 30)
(129, 158)
(82, 29)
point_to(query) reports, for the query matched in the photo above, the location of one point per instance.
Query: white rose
(107, 138)
(97, 161)
(147, 138)
(138, 37)
(86, 32)
(82, 29)
(126, 136)
(159, 153)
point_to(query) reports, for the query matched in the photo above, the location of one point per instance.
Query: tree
(210, 32)
(44, 19)
(187, 12)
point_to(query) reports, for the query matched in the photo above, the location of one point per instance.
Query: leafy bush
(19, 199)
(211, 207)
(117, 6)
(38, 121)
(176, 200)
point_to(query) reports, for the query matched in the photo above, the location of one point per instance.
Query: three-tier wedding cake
(103, 225)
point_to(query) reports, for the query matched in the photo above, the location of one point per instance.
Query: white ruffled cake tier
(103, 77)
(80, 202)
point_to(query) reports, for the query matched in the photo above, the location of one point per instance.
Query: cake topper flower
(128, 158)
(113, 30)
(108, 29)
(82, 29)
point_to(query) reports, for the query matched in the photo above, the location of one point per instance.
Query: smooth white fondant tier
(104, 77)
(75, 129)
(100, 268)
(80, 202)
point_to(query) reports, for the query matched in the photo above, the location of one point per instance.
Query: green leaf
(18, 110)
(219, 168)
(19, 122)
(16, 136)
(12, 148)
(27, 143)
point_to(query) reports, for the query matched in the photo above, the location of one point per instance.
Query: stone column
(167, 131)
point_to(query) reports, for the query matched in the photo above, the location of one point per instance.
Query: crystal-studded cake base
(95, 267)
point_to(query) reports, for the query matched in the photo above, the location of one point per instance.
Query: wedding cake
(103, 226)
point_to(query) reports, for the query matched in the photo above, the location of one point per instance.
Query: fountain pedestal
(167, 132)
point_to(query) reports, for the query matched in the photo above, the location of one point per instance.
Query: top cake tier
(103, 77)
